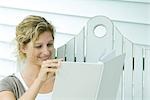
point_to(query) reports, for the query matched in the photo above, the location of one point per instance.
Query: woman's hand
(48, 69)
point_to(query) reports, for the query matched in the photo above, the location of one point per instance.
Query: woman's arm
(32, 92)
(7, 95)
(47, 71)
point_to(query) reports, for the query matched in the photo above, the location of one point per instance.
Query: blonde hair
(29, 30)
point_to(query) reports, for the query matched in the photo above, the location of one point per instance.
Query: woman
(35, 42)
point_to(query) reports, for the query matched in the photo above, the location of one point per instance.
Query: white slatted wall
(146, 79)
(128, 71)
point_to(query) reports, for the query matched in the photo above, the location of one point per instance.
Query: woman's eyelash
(38, 46)
(49, 44)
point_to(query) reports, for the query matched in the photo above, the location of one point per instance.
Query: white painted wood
(140, 31)
(70, 50)
(138, 1)
(61, 52)
(128, 71)
(96, 46)
(7, 51)
(138, 73)
(79, 46)
(114, 9)
(73, 24)
(146, 77)
(7, 67)
(118, 41)
(61, 39)
(7, 34)
(63, 23)
(118, 46)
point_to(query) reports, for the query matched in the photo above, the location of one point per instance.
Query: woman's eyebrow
(51, 41)
(37, 43)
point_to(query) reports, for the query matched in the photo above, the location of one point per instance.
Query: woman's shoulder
(13, 84)
(8, 78)
(6, 82)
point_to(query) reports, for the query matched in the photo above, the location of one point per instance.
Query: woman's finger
(53, 60)
(52, 65)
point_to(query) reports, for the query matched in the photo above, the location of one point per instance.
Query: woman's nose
(46, 51)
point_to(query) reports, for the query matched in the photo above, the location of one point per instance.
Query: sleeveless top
(40, 96)
(13, 84)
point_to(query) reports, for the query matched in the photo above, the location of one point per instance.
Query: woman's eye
(49, 45)
(38, 46)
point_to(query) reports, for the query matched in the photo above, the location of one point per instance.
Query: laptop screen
(112, 72)
(88, 81)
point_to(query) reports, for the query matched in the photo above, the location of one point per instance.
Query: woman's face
(41, 50)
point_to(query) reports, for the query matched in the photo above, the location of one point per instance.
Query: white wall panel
(128, 71)
(61, 39)
(80, 46)
(134, 12)
(137, 1)
(7, 51)
(61, 52)
(146, 77)
(118, 46)
(7, 33)
(137, 33)
(70, 50)
(138, 73)
(63, 23)
(118, 41)
(73, 24)
(7, 67)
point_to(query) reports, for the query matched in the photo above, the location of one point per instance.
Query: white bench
(87, 47)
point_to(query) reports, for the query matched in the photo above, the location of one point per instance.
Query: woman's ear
(23, 48)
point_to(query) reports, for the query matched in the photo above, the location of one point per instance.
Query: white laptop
(88, 81)
(112, 74)
(108, 56)
(77, 81)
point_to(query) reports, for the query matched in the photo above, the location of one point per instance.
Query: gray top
(13, 84)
